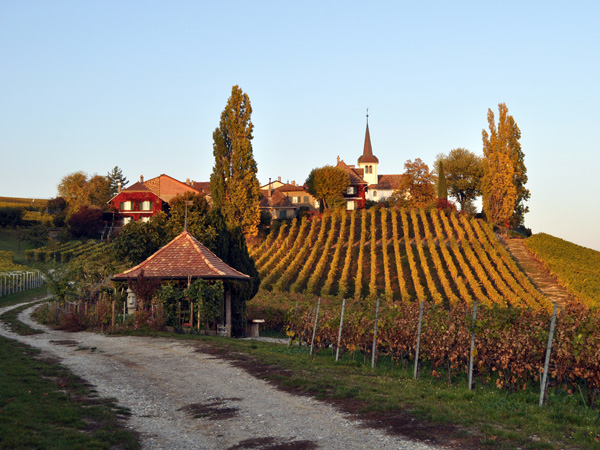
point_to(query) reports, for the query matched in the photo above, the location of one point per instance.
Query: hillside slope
(394, 254)
(575, 267)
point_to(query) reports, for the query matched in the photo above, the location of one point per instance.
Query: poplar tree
(233, 183)
(442, 183)
(499, 183)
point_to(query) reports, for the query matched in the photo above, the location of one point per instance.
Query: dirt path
(183, 398)
(536, 271)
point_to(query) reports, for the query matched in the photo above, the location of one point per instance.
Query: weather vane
(367, 115)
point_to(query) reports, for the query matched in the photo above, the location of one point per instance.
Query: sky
(141, 85)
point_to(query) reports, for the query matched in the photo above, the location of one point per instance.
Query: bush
(11, 216)
(87, 222)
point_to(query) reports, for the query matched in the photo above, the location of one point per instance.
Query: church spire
(367, 156)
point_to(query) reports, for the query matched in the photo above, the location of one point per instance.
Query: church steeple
(367, 160)
(367, 156)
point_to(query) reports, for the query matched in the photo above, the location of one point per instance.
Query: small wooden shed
(186, 258)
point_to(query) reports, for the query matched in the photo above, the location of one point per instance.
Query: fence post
(113, 313)
(374, 350)
(548, 351)
(418, 339)
(191, 315)
(295, 311)
(472, 346)
(179, 313)
(337, 351)
(312, 342)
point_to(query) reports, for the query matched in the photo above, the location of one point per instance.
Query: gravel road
(181, 398)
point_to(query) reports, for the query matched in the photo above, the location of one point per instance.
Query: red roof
(367, 156)
(182, 258)
(354, 173)
(390, 182)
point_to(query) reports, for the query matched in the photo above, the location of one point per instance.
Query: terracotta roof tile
(353, 173)
(182, 258)
(387, 182)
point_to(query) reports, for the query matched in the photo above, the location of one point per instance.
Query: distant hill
(577, 268)
(394, 254)
(23, 202)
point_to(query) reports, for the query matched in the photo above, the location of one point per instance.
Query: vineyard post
(337, 351)
(113, 314)
(472, 346)
(312, 342)
(418, 338)
(374, 349)
(295, 311)
(548, 351)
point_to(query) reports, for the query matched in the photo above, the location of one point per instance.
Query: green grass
(9, 240)
(44, 405)
(25, 296)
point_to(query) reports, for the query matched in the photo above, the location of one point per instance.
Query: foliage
(56, 205)
(115, 177)
(143, 287)
(37, 235)
(505, 175)
(139, 240)
(78, 190)
(464, 171)
(11, 216)
(576, 268)
(416, 186)
(85, 222)
(208, 298)
(233, 183)
(7, 263)
(328, 185)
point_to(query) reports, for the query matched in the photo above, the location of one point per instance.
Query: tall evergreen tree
(233, 183)
(442, 183)
(114, 177)
(499, 180)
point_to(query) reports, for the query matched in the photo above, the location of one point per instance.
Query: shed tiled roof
(136, 187)
(291, 188)
(182, 258)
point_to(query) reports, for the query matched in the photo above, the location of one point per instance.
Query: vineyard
(399, 255)
(23, 202)
(69, 251)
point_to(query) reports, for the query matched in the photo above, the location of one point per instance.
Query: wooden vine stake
(548, 351)
(472, 346)
(374, 349)
(337, 351)
(291, 336)
(312, 342)
(418, 338)
(113, 314)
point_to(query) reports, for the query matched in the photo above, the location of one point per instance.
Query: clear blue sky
(87, 85)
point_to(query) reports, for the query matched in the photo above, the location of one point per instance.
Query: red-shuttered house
(145, 199)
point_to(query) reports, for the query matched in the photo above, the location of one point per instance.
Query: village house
(144, 199)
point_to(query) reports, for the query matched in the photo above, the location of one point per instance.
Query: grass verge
(428, 408)
(44, 405)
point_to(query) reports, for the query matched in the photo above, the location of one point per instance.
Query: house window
(350, 190)
(350, 206)
(282, 214)
(374, 193)
(305, 199)
(145, 219)
(126, 206)
(126, 220)
(146, 206)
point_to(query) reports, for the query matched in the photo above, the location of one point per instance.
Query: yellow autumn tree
(498, 183)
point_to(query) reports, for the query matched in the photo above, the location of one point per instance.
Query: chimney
(187, 181)
(269, 189)
(119, 187)
(338, 158)
(142, 179)
(279, 179)
(293, 182)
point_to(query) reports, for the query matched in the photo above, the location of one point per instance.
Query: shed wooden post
(228, 312)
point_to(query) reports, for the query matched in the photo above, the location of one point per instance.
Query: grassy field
(23, 202)
(44, 405)
(12, 240)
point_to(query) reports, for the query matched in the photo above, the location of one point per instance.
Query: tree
(86, 222)
(79, 190)
(464, 171)
(233, 183)
(114, 177)
(442, 183)
(416, 187)
(328, 185)
(505, 175)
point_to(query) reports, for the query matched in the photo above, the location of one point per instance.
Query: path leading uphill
(182, 397)
(536, 271)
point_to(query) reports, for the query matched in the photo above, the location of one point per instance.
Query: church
(366, 183)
